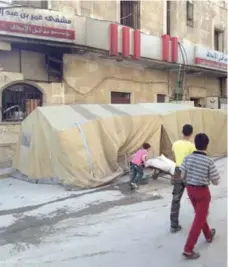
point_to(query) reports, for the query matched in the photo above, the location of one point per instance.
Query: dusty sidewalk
(43, 225)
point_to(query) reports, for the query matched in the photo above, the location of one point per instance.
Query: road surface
(42, 225)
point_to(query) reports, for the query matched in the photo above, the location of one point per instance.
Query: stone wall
(207, 16)
(90, 80)
(104, 10)
(201, 87)
(9, 134)
(151, 12)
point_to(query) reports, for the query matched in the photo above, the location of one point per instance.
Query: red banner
(28, 29)
(210, 63)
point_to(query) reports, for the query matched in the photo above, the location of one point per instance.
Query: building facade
(64, 52)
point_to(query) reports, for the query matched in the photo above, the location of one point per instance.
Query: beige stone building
(63, 52)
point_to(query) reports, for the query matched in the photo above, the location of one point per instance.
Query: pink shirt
(137, 158)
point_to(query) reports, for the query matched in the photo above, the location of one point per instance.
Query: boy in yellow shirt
(181, 149)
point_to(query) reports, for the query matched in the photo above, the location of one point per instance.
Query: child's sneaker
(133, 185)
(175, 229)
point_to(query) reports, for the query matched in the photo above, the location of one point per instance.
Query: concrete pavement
(42, 225)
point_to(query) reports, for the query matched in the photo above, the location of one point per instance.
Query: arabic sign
(36, 30)
(36, 23)
(211, 59)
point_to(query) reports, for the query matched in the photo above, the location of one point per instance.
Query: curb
(5, 173)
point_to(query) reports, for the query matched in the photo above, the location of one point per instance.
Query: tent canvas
(83, 145)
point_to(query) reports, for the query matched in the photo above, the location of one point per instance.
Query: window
(35, 4)
(218, 40)
(120, 98)
(19, 100)
(130, 14)
(160, 98)
(190, 14)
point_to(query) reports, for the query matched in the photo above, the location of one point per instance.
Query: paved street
(42, 225)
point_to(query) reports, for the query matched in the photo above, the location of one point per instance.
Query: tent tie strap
(88, 152)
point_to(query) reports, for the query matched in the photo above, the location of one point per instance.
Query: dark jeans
(178, 190)
(136, 173)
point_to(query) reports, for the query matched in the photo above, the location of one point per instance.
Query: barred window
(19, 100)
(130, 14)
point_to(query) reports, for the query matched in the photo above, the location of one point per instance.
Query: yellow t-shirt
(181, 149)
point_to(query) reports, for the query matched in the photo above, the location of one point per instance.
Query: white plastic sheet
(162, 163)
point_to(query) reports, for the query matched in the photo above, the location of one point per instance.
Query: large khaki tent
(88, 145)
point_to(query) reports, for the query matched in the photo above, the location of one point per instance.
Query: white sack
(162, 163)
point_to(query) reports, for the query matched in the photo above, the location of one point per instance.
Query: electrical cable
(180, 83)
(97, 86)
(182, 47)
(186, 65)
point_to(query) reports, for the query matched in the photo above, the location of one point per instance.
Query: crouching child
(137, 164)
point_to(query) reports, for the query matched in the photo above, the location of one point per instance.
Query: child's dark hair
(201, 141)
(146, 146)
(187, 130)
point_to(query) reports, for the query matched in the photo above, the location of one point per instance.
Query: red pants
(200, 198)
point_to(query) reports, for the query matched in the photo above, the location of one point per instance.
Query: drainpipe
(178, 84)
